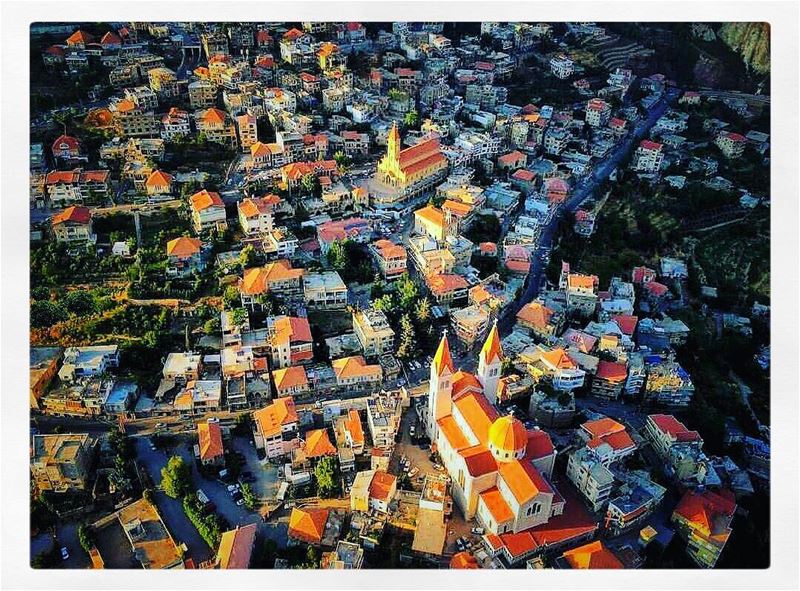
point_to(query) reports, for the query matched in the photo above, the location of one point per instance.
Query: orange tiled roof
(318, 444)
(559, 359)
(204, 199)
(453, 433)
(576, 280)
(477, 412)
(457, 208)
(80, 37)
(381, 486)
(618, 441)
(355, 366)
(492, 349)
(592, 555)
(445, 283)
(236, 547)
(213, 115)
(432, 214)
(524, 481)
(479, 460)
(272, 417)
(290, 329)
(463, 560)
(669, 424)
(442, 359)
(308, 525)
(77, 214)
(256, 280)
(497, 505)
(535, 314)
(210, 440)
(183, 247)
(158, 178)
(353, 426)
(609, 370)
(511, 157)
(702, 508)
(602, 427)
(507, 434)
(289, 377)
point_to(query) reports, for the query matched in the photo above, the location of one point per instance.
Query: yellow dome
(508, 434)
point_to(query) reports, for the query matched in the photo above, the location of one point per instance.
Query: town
(342, 295)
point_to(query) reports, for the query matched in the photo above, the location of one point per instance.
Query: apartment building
(324, 291)
(208, 211)
(278, 278)
(592, 479)
(391, 258)
(383, 420)
(648, 156)
(217, 126)
(275, 428)
(373, 331)
(247, 130)
(353, 374)
(62, 462)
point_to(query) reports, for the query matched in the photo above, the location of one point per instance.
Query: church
(500, 470)
(404, 174)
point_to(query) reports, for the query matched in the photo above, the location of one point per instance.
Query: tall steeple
(393, 142)
(490, 363)
(440, 387)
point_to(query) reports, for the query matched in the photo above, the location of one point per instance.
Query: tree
(422, 310)
(326, 475)
(248, 257)
(231, 296)
(251, 501)
(342, 159)
(408, 291)
(309, 183)
(212, 326)
(337, 256)
(384, 303)
(411, 119)
(86, 537)
(408, 339)
(176, 478)
(46, 313)
(239, 317)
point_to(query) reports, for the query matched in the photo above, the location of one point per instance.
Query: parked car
(237, 496)
(233, 488)
(478, 531)
(64, 553)
(413, 472)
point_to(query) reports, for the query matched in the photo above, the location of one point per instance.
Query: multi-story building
(556, 140)
(324, 291)
(208, 211)
(373, 331)
(404, 174)
(391, 258)
(165, 83)
(679, 448)
(581, 291)
(43, 368)
(607, 439)
(383, 419)
(158, 185)
(175, 124)
(275, 428)
(353, 374)
(555, 365)
(540, 320)
(598, 112)
(731, 144)
(217, 126)
(648, 156)
(184, 257)
(209, 441)
(62, 462)
(278, 278)
(291, 381)
(73, 226)
(133, 121)
(290, 341)
(256, 214)
(202, 94)
(609, 379)
(470, 324)
(667, 383)
(561, 66)
(68, 187)
(447, 289)
(704, 520)
(592, 479)
(247, 128)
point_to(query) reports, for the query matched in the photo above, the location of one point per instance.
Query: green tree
(326, 475)
(79, 302)
(251, 501)
(422, 310)
(248, 257)
(212, 326)
(310, 184)
(385, 303)
(408, 291)
(411, 119)
(86, 537)
(342, 159)
(46, 313)
(408, 339)
(176, 478)
(337, 256)
(231, 296)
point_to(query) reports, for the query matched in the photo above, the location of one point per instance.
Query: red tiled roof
(479, 460)
(308, 525)
(318, 444)
(592, 555)
(650, 145)
(210, 440)
(626, 323)
(463, 560)
(77, 214)
(669, 424)
(381, 486)
(609, 370)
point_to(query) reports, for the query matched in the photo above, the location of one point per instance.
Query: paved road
(582, 192)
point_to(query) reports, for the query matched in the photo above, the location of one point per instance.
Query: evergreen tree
(176, 478)
(423, 310)
(408, 339)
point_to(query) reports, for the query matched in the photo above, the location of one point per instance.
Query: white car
(233, 488)
(64, 553)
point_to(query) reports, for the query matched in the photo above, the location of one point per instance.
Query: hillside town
(342, 295)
